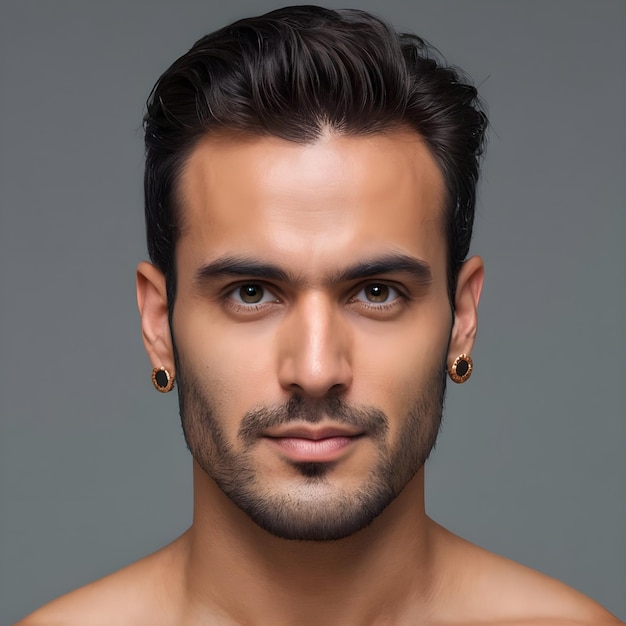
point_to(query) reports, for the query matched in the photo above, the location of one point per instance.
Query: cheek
(229, 363)
(397, 366)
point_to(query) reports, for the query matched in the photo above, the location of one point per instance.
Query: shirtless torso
(435, 579)
(490, 591)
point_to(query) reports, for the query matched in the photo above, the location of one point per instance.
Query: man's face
(311, 324)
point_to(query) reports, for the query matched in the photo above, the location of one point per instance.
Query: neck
(238, 569)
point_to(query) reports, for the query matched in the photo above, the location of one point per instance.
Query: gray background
(94, 472)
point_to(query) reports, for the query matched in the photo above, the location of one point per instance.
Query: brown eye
(378, 296)
(376, 292)
(251, 294)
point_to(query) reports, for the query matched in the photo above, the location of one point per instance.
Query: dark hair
(294, 72)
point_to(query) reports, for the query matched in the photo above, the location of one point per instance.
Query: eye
(377, 293)
(252, 294)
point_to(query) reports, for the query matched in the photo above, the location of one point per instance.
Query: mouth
(306, 444)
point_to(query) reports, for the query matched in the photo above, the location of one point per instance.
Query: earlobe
(152, 304)
(469, 287)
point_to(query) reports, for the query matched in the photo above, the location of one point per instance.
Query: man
(310, 189)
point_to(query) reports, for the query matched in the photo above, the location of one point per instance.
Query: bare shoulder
(547, 600)
(501, 591)
(121, 598)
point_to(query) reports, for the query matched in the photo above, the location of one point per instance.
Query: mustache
(370, 420)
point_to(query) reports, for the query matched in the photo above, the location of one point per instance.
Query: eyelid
(393, 287)
(397, 295)
(268, 291)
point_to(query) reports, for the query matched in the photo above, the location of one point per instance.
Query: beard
(312, 508)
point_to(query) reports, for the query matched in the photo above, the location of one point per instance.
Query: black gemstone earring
(461, 369)
(162, 380)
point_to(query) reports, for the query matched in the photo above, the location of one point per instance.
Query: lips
(310, 432)
(307, 444)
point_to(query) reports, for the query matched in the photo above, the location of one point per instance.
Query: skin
(313, 211)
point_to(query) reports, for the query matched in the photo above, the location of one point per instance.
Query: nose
(314, 356)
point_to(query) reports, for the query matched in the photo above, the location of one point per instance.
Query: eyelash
(249, 308)
(241, 307)
(395, 301)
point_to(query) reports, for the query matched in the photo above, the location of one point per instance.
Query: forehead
(340, 196)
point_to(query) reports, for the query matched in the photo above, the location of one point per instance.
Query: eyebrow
(238, 267)
(417, 269)
(248, 267)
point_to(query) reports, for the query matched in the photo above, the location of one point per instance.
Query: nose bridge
(314, 355)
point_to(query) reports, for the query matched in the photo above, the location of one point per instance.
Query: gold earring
(461, 369)
(162, 380)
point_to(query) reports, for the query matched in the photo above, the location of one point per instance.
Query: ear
(152, 303)
(468, 287)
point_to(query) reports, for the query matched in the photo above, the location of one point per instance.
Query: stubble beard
(314, 509)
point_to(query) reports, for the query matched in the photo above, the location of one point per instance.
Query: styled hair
(295, 73)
